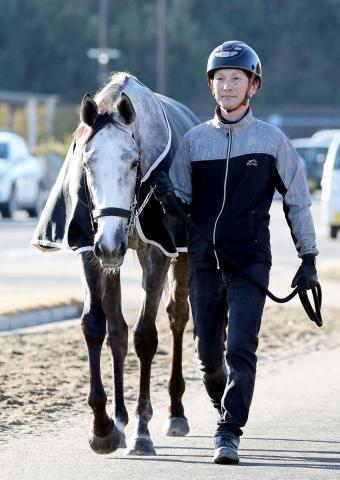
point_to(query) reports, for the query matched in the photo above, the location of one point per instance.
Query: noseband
(110, 212)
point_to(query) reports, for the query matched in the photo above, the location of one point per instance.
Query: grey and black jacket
(228, 173)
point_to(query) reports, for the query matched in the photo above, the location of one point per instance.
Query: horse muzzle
(110, 256)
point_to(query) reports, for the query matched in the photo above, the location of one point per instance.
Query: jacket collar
(241, 124)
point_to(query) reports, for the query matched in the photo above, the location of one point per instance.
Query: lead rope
(313, 314)
(135, 212)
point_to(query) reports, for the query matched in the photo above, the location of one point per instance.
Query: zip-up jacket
(228, 173)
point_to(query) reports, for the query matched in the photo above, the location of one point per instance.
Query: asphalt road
(26, 273)
(292, 433)
(16, 235)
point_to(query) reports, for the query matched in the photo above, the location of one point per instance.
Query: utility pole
(102, 41)
(103, 54)
(161, 47)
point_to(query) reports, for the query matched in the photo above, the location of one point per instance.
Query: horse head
(110, 158)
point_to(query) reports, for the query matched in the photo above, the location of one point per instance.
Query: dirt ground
(44, 374)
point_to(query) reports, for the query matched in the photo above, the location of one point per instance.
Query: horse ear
(126, 110)
(88, 110)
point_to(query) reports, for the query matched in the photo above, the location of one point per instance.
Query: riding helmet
(234, 54)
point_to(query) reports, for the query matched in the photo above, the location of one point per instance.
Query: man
(227, 170)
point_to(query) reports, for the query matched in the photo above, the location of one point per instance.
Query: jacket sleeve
(292, 184)
(180, 171)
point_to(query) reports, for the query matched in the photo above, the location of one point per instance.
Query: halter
(133, 212)
(110, 211)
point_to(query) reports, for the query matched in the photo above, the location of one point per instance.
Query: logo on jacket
(252, 162)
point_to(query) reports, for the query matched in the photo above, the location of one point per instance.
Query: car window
(3, 150)
(337, 160)
(311, 155)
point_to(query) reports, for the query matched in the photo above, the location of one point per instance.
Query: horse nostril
(122, 249)
(98, 250)
(105, 253)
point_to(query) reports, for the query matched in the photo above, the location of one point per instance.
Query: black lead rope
(313, 314)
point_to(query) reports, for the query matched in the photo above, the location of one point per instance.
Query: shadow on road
(253, 457)
(292, 440)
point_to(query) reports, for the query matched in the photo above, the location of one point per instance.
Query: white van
(325, 135)
(314, 153)
(330, 185)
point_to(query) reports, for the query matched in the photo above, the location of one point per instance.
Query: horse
(126, 135)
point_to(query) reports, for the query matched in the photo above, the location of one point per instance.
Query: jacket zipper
(224, 193)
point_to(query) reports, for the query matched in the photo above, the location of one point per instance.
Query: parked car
(330, 183)
(21, 177)
(325, 135)
(313, 152)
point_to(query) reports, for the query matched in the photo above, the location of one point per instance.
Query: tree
(43, 45)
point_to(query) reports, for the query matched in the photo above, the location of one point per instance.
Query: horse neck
(151, 128)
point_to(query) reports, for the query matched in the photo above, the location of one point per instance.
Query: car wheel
(13, 207)
(9, 208)
(5, 210)
(333, 231)
(38, 206)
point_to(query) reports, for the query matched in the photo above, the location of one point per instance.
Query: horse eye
(135, 164)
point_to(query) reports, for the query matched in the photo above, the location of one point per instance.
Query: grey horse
(102, 204)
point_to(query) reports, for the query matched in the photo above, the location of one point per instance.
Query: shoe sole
(226, 459)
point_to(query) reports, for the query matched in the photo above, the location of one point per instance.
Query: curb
(39, 316)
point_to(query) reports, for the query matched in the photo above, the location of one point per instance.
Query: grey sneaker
(226, 449)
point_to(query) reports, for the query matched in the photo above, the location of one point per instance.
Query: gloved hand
(306, 277)
(164, 192)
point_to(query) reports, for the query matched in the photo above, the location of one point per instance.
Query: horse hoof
(107, 444)
(176, 427)
(122, 443)
(141, 446)
(120, 428)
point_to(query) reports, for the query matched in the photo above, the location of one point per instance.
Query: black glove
(164, 192)
(306, 277)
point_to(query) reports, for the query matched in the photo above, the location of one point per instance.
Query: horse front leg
(103, 435)
(155, 266)
(117, 342)
(178, 313)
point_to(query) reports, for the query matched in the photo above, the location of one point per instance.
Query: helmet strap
(243, 103)
(247, 95)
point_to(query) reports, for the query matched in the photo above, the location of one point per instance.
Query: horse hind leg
(117, 342)
(178, 313)
(103, 434)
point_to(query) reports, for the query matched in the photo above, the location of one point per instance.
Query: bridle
(110, 212)
(100, 122)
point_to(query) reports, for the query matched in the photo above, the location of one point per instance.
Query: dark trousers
(227, 311)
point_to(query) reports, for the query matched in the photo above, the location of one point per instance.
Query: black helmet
(234, 54)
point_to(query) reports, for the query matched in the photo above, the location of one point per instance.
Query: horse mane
(106, 99)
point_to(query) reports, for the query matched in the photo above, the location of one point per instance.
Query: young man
(227, 170)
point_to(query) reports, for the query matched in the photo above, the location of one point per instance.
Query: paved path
(36, 288)
(293, 433)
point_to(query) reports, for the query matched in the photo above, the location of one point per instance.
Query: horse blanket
(66, 223)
